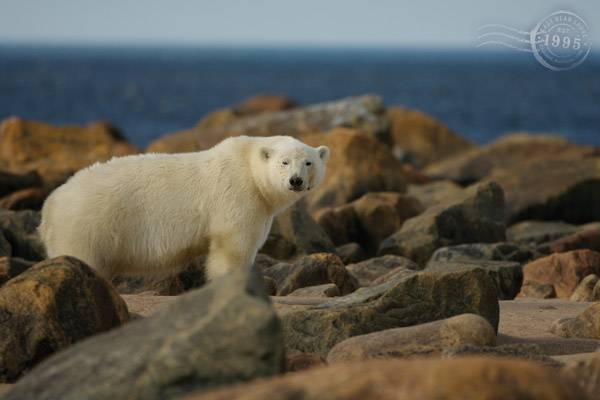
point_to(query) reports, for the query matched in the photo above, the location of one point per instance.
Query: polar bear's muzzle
(296, 183)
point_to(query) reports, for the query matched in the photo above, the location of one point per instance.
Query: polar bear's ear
(323, 152)
(266, 153)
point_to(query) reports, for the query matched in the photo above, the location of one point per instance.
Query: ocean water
(149, 91)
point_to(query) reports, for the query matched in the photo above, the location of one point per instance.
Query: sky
(421, 23)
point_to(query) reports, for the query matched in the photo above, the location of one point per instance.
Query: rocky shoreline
(423, 266)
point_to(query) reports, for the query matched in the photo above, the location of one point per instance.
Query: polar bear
(152, 213)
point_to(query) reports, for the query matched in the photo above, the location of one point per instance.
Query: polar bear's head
(294, 168)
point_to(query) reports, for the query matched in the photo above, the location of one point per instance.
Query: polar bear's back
(124, 214)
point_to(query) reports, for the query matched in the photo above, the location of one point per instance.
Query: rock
(411, 299)
(477, 218)
(586, 290)
(56, 152)
(315, 269)
(501, 251)
(537, 232)
(367, 271)
(506, 275)
(264, 103)
(586, 373)
(5, 247)
(421, 139)
(270, 286)
(585, 325)
(563, 271)
(224, 333)
(10, 182)
(351, 253)
(537, 291)
(20, 230)
(49, 307)
(392, 379)
(393, 275)
(381, 214)
(436, 192)
(525, 351)
(363, 113)
(30, 198)
(340, 223)
(188, 278)
(324, 290)
(543, 177)
(426, 339)
(295, 233)
(582, 239)
(11, 267)
(299, 361)
(359, 164)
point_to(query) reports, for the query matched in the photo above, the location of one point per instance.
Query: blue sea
(150, 91)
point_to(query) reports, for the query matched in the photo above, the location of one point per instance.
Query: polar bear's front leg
(228, 253)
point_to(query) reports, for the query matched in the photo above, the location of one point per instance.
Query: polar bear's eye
(285, 162)
(308, 163)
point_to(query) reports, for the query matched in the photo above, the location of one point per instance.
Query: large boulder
(56, 152)
(368, 220)
(295, 233)
(48, 308)
(543, 177)
(506, 275)
(264, 103)
(477, 217)
(19, 228)
(421, 139)
(359, 164)
(428, 339)
(365, 113)
(223, 333)
(462, 378)
(562, 271)
(410, 299)
(436, 192)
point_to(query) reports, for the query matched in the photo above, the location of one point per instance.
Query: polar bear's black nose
(296, 181)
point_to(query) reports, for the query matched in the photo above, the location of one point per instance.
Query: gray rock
(409, 300)
(294, 233)
(585, 325)
(507, 276)
(428, 339)
(369, 270)
(436, 192)
(502, 251)
(538, 232)
(223, 333)
(49, 307)
(477, 218)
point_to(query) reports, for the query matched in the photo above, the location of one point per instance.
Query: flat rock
(433, 193)
(223, 333)
(449, 379)
(49, 307)
(501, 251)
(325, 290)
(538, 232)
(408, 300)
(366, 272)
(477, 218)
(426, 339)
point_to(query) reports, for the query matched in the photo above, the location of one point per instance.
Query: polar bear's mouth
(296, 188)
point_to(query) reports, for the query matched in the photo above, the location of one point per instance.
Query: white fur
(152, 213)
